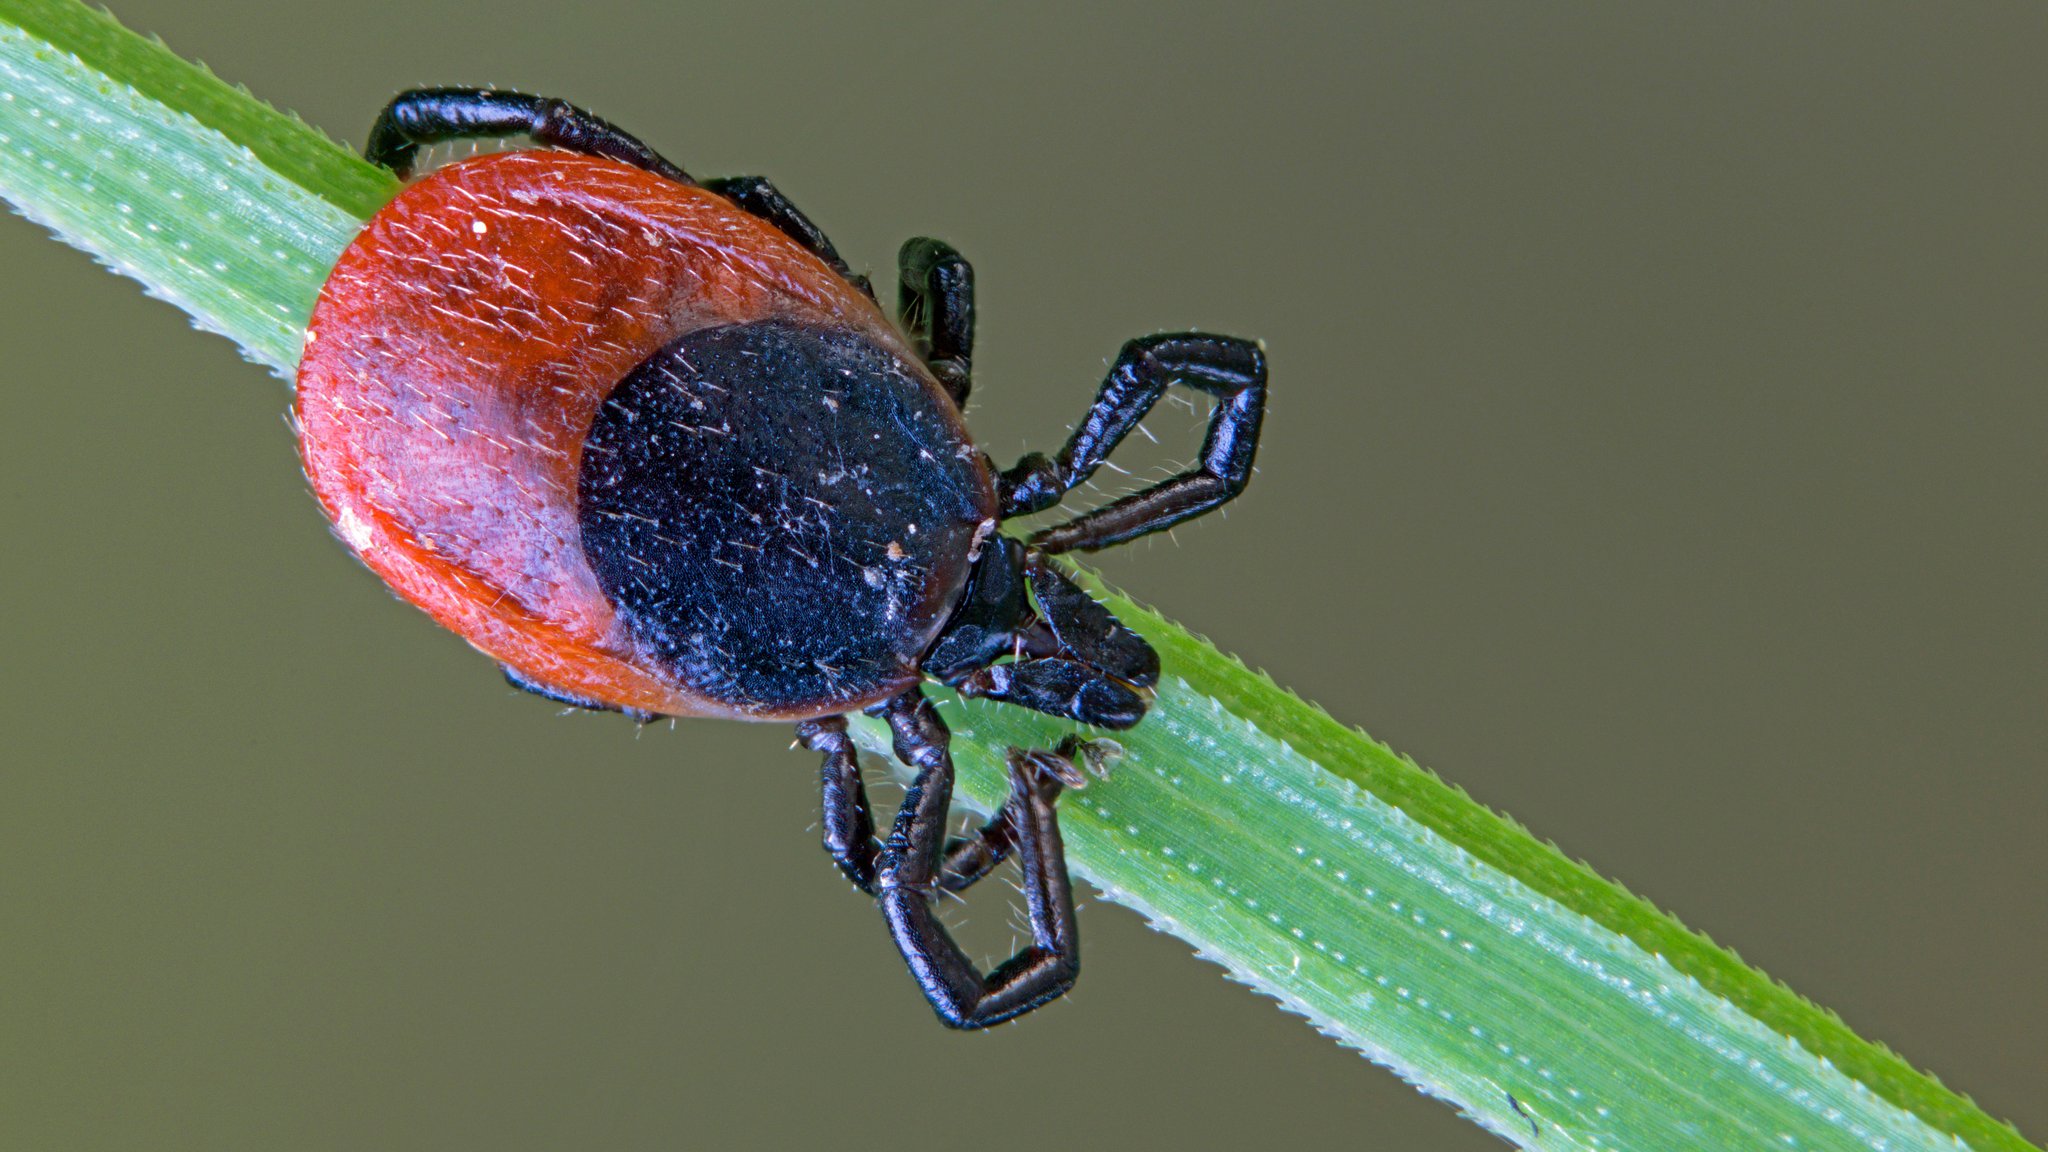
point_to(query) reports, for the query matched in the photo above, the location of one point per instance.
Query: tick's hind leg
(1231, 370)
(431, 115)
(909, 876)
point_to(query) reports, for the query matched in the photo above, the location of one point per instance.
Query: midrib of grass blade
(1398, 915)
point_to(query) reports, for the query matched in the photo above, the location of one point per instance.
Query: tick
(647, 442)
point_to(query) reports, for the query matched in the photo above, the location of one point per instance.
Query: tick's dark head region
(782, 513)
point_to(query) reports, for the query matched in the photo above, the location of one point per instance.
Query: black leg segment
(970, 858)
(430, 115)
(1231, 370)
(757, 196)
(849, 822)
(935, 304)
(910, 875)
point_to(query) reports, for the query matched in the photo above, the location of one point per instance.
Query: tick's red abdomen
(457, 360)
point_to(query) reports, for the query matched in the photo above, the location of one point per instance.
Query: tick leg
(430, 115)
(757, 196)
(1231, 370)
(849, 822)
(909, 876)
(935, 304)
(970, 858)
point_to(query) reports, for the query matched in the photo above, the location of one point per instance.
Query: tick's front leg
(1229, 369)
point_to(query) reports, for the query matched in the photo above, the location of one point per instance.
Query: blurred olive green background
(1655, 450)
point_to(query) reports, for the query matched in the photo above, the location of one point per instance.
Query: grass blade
(215, 201)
